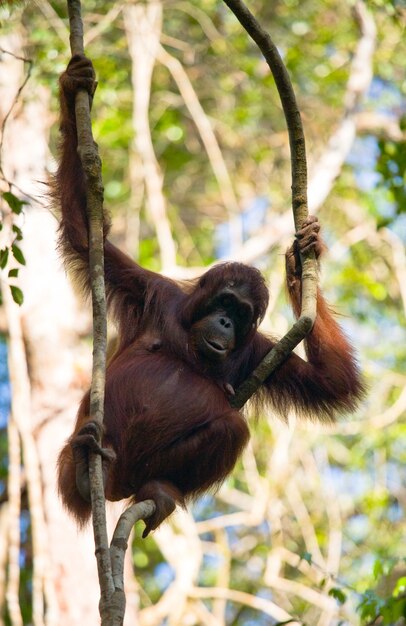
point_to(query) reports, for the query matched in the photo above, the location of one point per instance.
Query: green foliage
(15, 204)
(391, 165)
(18, 254)
(19, 233)
(338, 594)
(148, 254)
(393, 8)
(17, 294)
(4, 258)
(12, 234)
(388, 610)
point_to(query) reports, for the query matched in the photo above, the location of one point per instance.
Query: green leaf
(338, 594)
(378, 569)
(18, 255)
(13, 273)
(370, 605)
(3, 258)
(17, 294)
(18, 232)
(15, 204)
(400, 586)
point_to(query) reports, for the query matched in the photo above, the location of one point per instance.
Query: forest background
(310, 527)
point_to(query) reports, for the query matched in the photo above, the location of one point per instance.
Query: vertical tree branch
(13, 538)
(110, 561)
(43, 599)
(142, 24)
(91, 163)
(299, 202)
(210, 143)
(289, 104)
(4, 548)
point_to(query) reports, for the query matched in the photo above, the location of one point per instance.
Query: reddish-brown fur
(167, 414)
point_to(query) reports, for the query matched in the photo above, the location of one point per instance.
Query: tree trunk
(58, 363)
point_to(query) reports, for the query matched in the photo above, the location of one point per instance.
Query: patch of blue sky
(5, 394)
(385, 97)
(163, 575)
(251, 219)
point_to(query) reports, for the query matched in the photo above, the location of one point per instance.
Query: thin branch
(91, 163)
(382, 125)
(119, 542)
(333, 510)
(328, 167)
(295, 561)
(247, 599)
(13, 104)
(105, 23)
(206, 24)
(14, 510)
(398, 260)
(53, 20)
(361, 68)
(204, 616)
(21, 416)
(4, 524)
(380, 421)
(304, 521)
(299, 203)
(307, 594)
(143, 28)
(223, 578)
(204, 127)
(110, 563)
(289, 104)
(208, 138)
